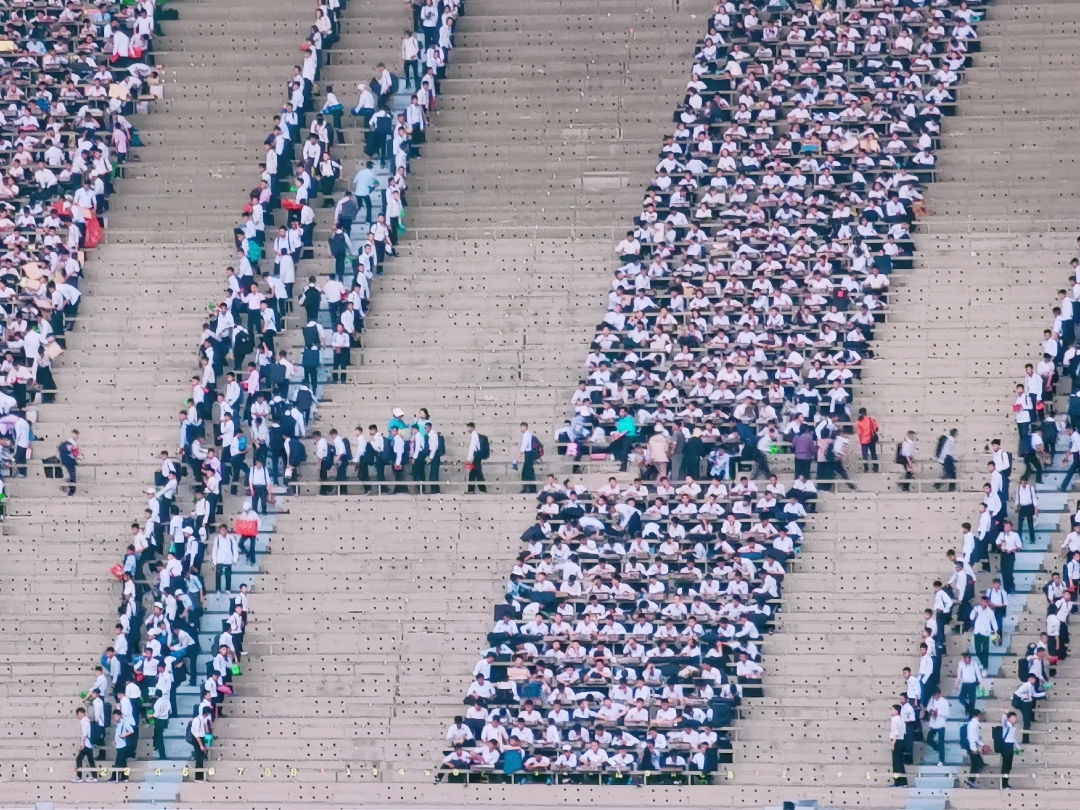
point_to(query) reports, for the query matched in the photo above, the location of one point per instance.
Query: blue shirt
(123, 727)
(364, 182)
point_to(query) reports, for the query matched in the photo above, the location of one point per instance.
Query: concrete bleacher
(846, 601)
(121, 383)
(362, 648)
(415, 348)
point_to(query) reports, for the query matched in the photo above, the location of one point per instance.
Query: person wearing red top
(867, 428)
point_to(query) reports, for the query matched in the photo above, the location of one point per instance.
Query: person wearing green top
(398, 421)
(623, 437)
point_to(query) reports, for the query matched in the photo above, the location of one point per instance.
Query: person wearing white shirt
(1027, 507)
(85, 749)
(527, 459)
(969, 674)
(224, 553)
(474, 461)
(972, 741)
(897, 733)
(938, 712)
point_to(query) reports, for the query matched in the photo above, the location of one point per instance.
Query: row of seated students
(741, 311)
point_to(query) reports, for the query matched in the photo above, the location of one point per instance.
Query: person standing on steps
(479, 450)
(527, 459)
(946, 456)
(937, 711)
(69, 457)
(972, 740)
(436, 451)
(86, 749)
(984, 626)
(410, 60)
(364, 183)
(1008, 746)
(1003, 465)
(867, 429)
(905, 457)
(897, 732)
(161, 712)
(123, 731)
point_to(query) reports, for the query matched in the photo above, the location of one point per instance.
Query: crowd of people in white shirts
(239, 431)
(742, 309)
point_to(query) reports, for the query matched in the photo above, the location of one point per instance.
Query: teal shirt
(627, 426)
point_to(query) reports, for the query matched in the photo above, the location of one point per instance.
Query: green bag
(401, 223)
(235, 670)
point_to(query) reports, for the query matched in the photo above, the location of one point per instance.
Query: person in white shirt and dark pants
(1008, 746)
(86, 749)
(527, 458)
(473, 461)
(971, 736)
(897, 732)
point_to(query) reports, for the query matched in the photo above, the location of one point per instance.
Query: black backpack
(484, 452)
(537, 447)
(999, 744)
(388, 450)
(899, 456)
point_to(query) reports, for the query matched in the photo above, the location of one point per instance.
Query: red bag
(117, 571)
(94, 232)
(247, 528)
(291, 205)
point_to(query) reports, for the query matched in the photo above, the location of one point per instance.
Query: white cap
(397, 412)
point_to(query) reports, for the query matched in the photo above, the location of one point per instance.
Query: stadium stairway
(126, 375)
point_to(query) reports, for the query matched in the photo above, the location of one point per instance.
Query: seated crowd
(742, 310)
(71, 74)
(747, 294)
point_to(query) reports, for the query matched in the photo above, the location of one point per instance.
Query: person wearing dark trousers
(1003, 465)
(197, 731)
(1008, 747)
(85, 757)
(906, 459)
(897, 733)
(912, 728)
(1023, 701)
(943, 605)
(69, 457)
(259, 487)
(867, 429)
(436, 451)
(947, 457)
(937, 711)
(968, 675)
(1074, 454)
(971, 738)
(399, 448)
(162, 708)
(1009, 543)
(1032, 463)
(1027, 508)
(418, 456)
(474, 459)
(123, 733)
(527, 460)
(984, 625)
